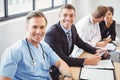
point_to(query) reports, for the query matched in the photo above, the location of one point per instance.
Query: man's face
(36, 29)
(67, 17)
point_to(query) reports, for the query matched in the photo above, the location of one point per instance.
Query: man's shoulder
(17, 45)
(85, 18)
(83, 21)
(54, 27)
(44, 44)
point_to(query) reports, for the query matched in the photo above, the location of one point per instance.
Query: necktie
(69, 39)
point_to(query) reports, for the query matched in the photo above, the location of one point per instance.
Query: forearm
(108, 40)
(65, 70)
(85, 46)
(63, 67)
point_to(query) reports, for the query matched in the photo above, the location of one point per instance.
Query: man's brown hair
(100, 11)
(67, 6)
(35, 13)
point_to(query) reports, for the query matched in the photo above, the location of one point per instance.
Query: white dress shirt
(88, 31)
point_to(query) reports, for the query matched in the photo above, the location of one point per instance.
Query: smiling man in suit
(63, 45)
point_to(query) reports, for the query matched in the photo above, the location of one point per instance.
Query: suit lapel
(63, 36)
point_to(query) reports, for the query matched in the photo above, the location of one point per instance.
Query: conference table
(76, 70)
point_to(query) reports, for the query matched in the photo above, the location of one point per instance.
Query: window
(16, 8)
(59, 2)
(19, 6)
(1, 8)
(43, 4)
(69, 1)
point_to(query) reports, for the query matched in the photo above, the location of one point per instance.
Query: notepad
(104, 64)
(96, 74)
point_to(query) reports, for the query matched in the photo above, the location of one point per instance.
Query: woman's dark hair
(111, 9)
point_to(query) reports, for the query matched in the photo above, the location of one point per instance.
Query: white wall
(1, 7)
(82, 8)
(13, 30)
(52, 17)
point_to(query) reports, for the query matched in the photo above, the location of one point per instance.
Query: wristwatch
(68, 75)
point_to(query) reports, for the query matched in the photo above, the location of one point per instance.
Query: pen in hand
(100, 54)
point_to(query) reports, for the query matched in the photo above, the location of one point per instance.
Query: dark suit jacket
(57, 39)
(105, 32)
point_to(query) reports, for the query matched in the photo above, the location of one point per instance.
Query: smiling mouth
(66, 22)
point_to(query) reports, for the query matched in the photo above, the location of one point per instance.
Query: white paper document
(96, 74)
(105, 64)
(110, 46)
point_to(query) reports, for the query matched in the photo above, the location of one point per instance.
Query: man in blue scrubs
(30, 57)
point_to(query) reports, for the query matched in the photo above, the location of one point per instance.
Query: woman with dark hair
(107, 26)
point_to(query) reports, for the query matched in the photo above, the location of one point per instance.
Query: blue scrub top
(16, 62)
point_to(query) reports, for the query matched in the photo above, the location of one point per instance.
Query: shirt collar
(65, 30)
(91, 20)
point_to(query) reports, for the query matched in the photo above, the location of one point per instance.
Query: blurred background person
(107, 26)
(88, 27)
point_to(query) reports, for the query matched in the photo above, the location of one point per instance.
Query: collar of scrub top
(33, 60)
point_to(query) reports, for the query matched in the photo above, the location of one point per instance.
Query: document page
(105, 64)
(110, 46)
(96, 74)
